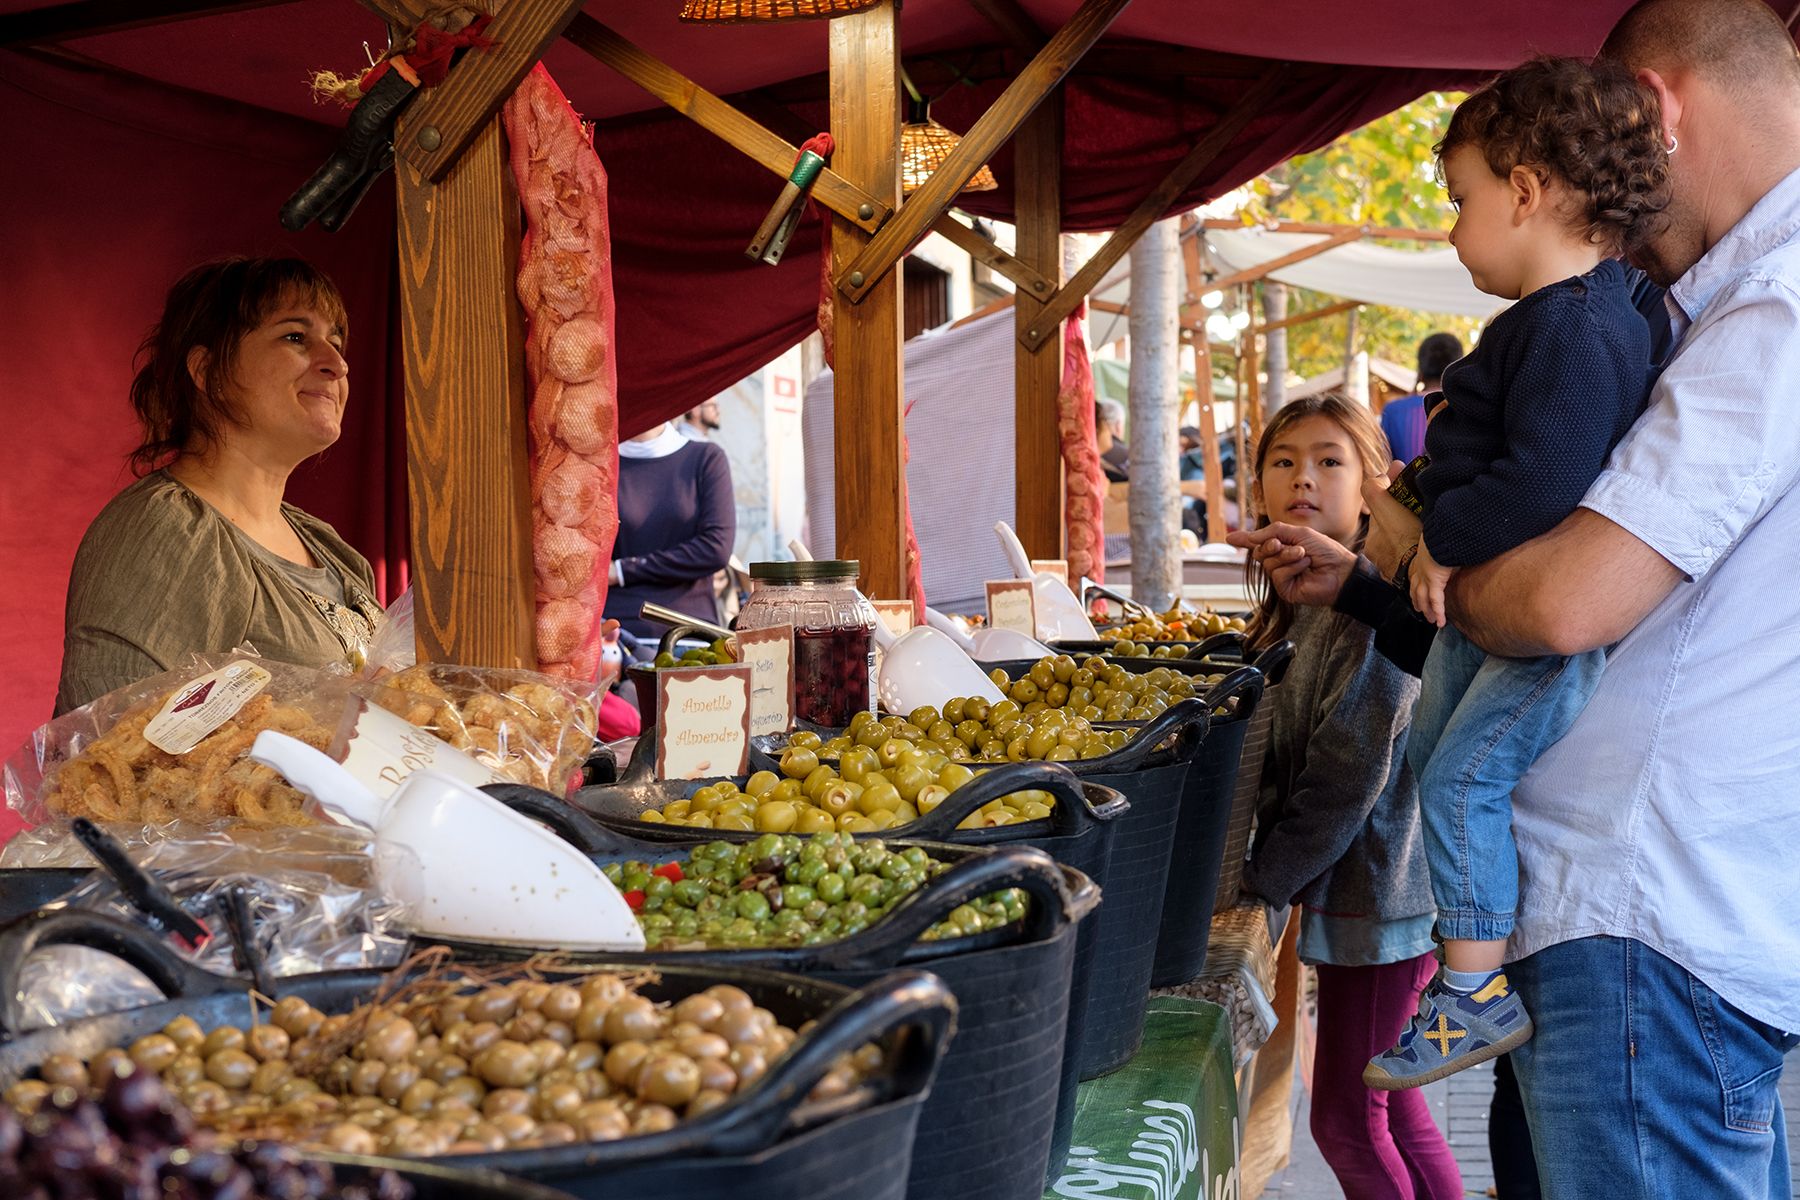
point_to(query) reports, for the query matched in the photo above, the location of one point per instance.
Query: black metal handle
(1275, 661)
(1231, 642)
(246, 955)
(1245, 685)
(367, 142)
(906, 1000)
(1094, 589)
(340, 210)
(601, 767)
(1187, 721)
(569, 823)
(173, 975)
(642, 767)
(881, 945)
(141, 889)
(1070, 814)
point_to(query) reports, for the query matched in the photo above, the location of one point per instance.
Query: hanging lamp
(925, 144)
(740, 12)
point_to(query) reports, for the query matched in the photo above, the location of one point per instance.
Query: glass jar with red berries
(834, 633)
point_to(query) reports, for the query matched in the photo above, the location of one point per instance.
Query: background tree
(1382, 174)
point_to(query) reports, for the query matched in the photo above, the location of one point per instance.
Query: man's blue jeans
(1480, 723)
(1641, 1083)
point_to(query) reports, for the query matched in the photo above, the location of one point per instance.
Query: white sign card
(897, 615)
(770, 655)
(1012, 605)
(1058, 567)
(384, 749)
(703, 721)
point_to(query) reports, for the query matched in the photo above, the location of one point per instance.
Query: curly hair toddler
(1555, 169)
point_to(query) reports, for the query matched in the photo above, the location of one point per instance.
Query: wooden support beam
(405, 15)
(1013, 22)
(1264, 270)
(1037, 371)
(1203, 389)
(1027, 277)
(463, 349)
(86, 18)
(933, 198)
(1253, 364)
(446, 119)
(1317, 314)
(870, 489)
(1157, 203)
(1375, 232)
(857, 205)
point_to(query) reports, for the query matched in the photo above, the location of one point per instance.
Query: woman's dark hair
(1594, 129)
(1273, 616)
(213, 307)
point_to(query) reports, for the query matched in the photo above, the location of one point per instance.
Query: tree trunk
(1275, 346)
(1154, 415)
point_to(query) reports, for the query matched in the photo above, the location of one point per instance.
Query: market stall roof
(1431, 281)
(259, 52)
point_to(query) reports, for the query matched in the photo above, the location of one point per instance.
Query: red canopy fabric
(177, 142)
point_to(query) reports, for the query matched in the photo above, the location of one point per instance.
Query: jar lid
(810, 571)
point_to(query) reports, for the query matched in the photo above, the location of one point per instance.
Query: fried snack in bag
(172, 747)
(530, 728)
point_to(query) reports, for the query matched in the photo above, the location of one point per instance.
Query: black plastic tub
(1149, 772)
(1200, 833)
(435, 1182)
(1199, 836)
(767, 1143)
(26, 889)
(1002, 1110)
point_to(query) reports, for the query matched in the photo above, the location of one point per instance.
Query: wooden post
(1252, 368)
(1209, 442)
(1245, 468)
(871, 474)
(1037, 372)
(463, 346)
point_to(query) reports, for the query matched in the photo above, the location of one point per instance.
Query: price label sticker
(896, 615)
(1012, 605)
(769, 653)
(203, 705)
(703, 721)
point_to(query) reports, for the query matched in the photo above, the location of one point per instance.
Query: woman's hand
(1429, 578)
(1393, 528)
(1304, 565)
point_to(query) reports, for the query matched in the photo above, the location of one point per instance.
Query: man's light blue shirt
(1670, 813)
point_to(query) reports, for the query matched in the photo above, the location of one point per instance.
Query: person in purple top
(1403, 420)
(677, 524)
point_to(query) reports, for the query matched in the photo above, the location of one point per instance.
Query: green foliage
(1383, 174)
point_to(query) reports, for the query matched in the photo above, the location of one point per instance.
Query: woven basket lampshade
(924, 145)
(738, 12)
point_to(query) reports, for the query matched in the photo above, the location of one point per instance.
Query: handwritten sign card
(1058, 567)
(770, 656)
(703, 721)
(897, 615)
(383, 749)
(1011, 605)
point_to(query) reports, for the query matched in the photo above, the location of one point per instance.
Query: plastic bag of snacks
(172, 747)
(531, 728)
(309, 897)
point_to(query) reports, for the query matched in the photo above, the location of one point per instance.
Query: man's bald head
(1737, 45)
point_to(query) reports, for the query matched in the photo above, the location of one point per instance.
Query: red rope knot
(820, 144)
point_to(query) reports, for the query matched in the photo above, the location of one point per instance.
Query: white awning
(1430, 281)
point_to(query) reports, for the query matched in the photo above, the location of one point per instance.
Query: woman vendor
(242, 379)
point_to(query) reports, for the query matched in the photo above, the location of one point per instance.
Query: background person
(1403, 419)
(677, 523)
(699, 424)
(241, 380)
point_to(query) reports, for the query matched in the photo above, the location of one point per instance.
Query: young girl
(1345, 840)
(1555, 168)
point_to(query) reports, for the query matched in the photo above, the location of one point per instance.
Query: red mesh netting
(565, 284)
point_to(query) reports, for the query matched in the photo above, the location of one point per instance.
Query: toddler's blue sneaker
(1452, 1030)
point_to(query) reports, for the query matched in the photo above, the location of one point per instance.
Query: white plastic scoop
(926, 667)
(464, 865)
(998, 645)
(1059, 612)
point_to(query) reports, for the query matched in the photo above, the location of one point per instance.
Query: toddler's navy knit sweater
(1534, 410)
